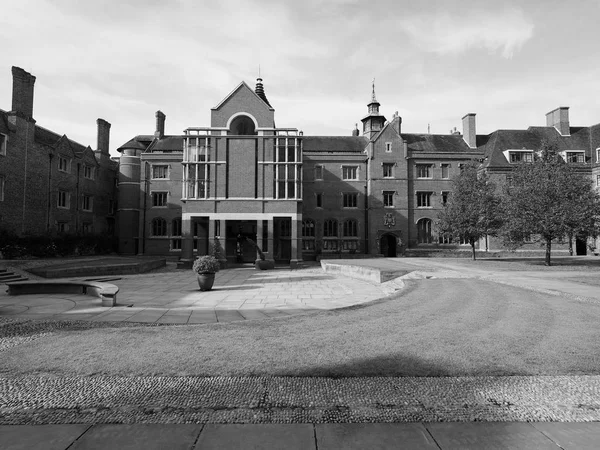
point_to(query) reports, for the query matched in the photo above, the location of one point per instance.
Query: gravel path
(52, 400)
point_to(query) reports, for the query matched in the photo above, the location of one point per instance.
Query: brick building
(48, 182)
(373, 192)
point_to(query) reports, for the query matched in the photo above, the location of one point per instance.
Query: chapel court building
(299, 197)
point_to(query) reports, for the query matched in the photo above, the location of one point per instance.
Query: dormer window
(518, 156)
(573, 156)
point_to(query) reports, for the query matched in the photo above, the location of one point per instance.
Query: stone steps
(9, 277)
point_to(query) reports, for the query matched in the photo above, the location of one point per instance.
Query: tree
(548, 198)
(473, 209)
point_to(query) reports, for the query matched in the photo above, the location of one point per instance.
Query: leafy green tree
(473, 208)
(549, 199)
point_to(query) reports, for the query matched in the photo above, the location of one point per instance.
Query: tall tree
(549, 199)
(473, 208)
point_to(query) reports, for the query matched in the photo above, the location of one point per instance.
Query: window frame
(388, 147)
(444, 197)
(390, 166)
(67, 164)
(87, 203)
(424, 195)
(161, 166)
(2, 187)
(318, 200)
(349, 199)
(350, 225)
(345, 174)
(429, 171)
(155, 195)
(318, 172)
(331, 228)
(389, 195)
(91, 174)
(3, 144)
(445, 166)
(66, 196)
(162, 228)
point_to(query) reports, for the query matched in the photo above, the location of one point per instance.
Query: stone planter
(206, 281)
(263, 264)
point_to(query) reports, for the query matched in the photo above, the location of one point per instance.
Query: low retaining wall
(105, 291)
(372, 274)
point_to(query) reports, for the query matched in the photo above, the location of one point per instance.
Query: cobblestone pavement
(103, 399)
(174, 297)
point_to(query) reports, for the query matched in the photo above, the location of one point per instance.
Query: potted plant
(205, 268)
(261, 262)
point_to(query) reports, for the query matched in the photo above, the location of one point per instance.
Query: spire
(373, 99)
(260, 91)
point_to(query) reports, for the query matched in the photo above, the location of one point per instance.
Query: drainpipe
(77, 200)
(49, 205)
(366, 221)
(146, 190)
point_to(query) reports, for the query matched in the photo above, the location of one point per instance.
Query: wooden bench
(106, 291)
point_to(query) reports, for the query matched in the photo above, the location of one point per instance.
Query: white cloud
(496, 31)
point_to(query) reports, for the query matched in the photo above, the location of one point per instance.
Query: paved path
(174, 297)
(372, 436)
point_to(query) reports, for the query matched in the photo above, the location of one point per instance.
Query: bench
(106, 291)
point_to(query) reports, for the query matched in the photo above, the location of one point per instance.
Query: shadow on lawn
(400, 365)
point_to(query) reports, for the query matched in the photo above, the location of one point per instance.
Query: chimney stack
(559, 119)
(103, 136)
(22, 97)
(397, 122)
(355, 132)
(160, 125)
(469, 133)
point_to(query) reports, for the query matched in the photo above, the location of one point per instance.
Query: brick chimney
(103, 136)
(160, 125)
(559, 119)
(469, 132)
(22, 97)
(397, 122)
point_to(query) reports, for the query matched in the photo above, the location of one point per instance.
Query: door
(388, 245)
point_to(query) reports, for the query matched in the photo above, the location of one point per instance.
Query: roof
(437, 143)
(169, 143)
(50, 138)
(238, 87)
(133, 144)
(354, 144)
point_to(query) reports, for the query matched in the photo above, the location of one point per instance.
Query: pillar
(269, 255)
(259, 236)
(187, 244)
(295, 258)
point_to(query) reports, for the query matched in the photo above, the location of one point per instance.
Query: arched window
(176, 227)
(350, 228)
(308, 228)
(330, 228)
(424, 231)
(242, 126)
(159, 227)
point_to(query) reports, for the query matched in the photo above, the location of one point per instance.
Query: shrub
(206, 264)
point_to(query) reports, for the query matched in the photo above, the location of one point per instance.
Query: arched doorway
(242, 126)
(387, 244)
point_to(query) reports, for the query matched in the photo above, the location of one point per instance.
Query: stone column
(269, 253)
(187, 245)
(296, 255)
(259, 236)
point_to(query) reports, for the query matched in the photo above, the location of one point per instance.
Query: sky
(509, 62)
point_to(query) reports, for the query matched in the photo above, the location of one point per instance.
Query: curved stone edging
(107, 292)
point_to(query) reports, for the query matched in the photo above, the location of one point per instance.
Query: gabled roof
(238, 87)
(168, 143)
(353, 144)
(50, 138)
(132, 144)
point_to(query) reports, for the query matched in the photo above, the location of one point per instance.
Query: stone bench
(106, 291)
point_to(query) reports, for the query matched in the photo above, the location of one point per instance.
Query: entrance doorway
(387, 244)
(238, 248)
(580, 246)
(282, 239)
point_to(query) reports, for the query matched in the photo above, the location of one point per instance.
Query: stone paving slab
(572, 436)
(40, 437)
(264, 436)
(373, 436)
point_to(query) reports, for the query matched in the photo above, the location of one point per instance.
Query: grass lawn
(442, 327)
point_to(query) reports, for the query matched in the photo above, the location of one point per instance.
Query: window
(1, 188)
(62, 227)
(445, 238)
(308, 228)
(319, 196)
(350, 228)
(330, 245)
(517, 157)
(176, 227)
(575, 157)
(2, 181)
(388, 147)
(88, 172)
(349, 172)
(86, 203)
(424, 231)
(598, 155)
(423, 199)
(159, 199)
(159, 227)
(111, 207)
(175, 244)
(423, 170)
(388, 170)
(445, 171)
(388, 199)
(160, 172)
(63, 164)
(86, 228)
(350, 199)
(63, 199)
(308, 245)
(196, 167)
(3, 141)
(318, 172)
(509, 180)
(288, 168)
(445, 197)
(330, 228)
